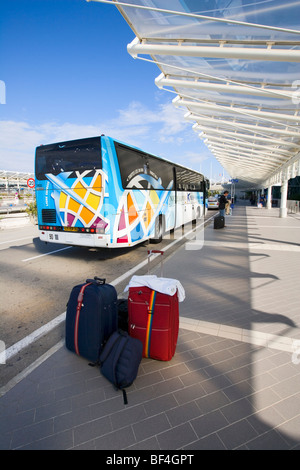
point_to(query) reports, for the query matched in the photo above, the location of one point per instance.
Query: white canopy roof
(234, 68)
(14, 177)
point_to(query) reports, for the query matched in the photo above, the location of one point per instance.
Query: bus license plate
(70, 229)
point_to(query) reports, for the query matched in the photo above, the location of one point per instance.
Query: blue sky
(67, 74)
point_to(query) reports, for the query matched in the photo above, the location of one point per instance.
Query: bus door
(188, 206)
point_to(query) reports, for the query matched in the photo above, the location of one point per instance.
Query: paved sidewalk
(14, 220)
(234, 382)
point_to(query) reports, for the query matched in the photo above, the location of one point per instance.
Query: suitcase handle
(97, 280)
(150, 252)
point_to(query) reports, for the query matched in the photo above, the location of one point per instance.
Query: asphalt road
(37, 278)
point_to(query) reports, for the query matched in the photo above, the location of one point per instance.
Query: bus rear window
(71, 156)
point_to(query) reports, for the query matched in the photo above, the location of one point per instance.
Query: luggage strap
(79, 305)
(149, 323)
(122, 343)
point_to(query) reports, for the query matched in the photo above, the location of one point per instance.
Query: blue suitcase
(91, 318)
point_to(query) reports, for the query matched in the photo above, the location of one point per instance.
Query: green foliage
(32, 209)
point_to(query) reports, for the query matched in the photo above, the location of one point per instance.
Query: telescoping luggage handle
(96, 280)
(150, 252)
(151, 305)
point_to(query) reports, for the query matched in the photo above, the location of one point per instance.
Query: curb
(14, 222)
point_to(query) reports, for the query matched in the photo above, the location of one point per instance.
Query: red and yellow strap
(79, 305)
(149, 324)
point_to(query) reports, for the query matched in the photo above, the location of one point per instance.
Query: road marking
(253, 337)
(16, 240)
(257, 227)
(23, 343)
(46, 254)
(22, 375)
(276, 246)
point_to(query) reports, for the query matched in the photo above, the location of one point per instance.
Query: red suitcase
(153, 318)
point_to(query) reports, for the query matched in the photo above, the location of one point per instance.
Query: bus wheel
(158, 230)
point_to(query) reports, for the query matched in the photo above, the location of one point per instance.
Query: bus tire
(158, 230)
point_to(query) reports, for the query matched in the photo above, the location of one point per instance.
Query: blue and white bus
(100, 192)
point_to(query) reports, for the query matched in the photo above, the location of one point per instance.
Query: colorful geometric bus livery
(137, 212)
(101, 192)
(80, 204)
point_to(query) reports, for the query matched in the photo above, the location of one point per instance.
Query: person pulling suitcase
(222, 203)
(219, 221)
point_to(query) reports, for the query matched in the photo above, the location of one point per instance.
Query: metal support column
(269, 197)
(284, 191)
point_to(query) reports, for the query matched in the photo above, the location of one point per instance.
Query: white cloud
(18, 141)
(172, 120)
(154, 130)
(135, 115)
(200, 156)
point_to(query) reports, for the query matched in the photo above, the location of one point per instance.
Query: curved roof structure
(14, 177)
(234, 69)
